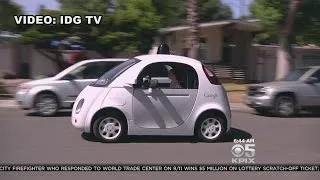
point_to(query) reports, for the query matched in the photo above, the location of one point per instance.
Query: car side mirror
(69, 77)
(311, 80)
(146, 82)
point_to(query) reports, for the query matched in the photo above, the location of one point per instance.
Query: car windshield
(295, 75)
(114, 72)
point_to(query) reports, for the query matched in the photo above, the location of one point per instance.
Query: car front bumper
(78, 122)
(24, 99)
(259, 101)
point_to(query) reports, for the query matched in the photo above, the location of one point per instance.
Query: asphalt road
(26, 138)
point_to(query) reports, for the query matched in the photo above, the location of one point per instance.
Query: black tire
(54, 102)
(198, 128)
(290, 106)
(262, 111)
(123, 131)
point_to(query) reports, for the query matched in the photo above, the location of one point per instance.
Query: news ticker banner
(159, 167)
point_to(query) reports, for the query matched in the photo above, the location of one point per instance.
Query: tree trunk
(192, 19)
(285, 57)
(285, 60)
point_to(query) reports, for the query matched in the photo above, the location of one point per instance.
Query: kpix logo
(243, 153)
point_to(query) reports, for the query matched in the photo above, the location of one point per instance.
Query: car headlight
(79, 106)
(24, 87)
(264, 90)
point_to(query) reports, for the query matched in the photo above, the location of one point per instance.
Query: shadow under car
(234, 133)
(66, 113)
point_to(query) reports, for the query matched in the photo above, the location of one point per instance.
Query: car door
(316, 88)
(309, 93)
(84, 76)
(169, 105)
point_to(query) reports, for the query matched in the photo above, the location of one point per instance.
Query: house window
(184, 50)
(227, 49)
(173, 38)
(202, 49)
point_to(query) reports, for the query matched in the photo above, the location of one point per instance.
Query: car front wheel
(110, 128)
(46, 105)
(210, 128)
(285, 106)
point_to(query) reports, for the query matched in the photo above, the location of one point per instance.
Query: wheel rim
(211, 128)
(47, 105)
(109, 128)
(285, 107)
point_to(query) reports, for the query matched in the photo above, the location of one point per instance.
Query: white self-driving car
(154, 95)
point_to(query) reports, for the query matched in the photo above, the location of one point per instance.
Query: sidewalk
(11, 104)
(8, 104)
(240, 107)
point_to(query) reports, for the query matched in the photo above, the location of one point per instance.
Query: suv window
(170, 75)
(93, 70)
(113, 73)
(316, 75)
(295, 75)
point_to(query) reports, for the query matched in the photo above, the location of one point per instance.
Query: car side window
(93, 70)
(316, 75)
(169, 76)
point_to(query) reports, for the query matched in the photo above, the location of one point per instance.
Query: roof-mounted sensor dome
(163, 49)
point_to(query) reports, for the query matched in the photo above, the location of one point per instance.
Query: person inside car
(174, 80)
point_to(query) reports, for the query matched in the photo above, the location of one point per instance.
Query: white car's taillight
(211, 76)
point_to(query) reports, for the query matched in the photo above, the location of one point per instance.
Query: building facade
(226, 47)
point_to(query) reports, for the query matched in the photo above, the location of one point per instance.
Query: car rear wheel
(46, 104)
(210, 128)
(285, 106)
(111, 128)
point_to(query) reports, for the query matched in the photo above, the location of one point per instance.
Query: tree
(132, 27)
(85, 7)
(174, 12)
(193, 36)
(202, 11)
(288, 22)
(129, 27)
(41, 37)
(7, 10)
(171, 12)
(213, 10)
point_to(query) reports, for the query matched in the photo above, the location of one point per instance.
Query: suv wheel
(210, 128)
(46, 104)
(285, 106)
(110, 128)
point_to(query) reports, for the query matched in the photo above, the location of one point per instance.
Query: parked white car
(48, 95)
(154, 95)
